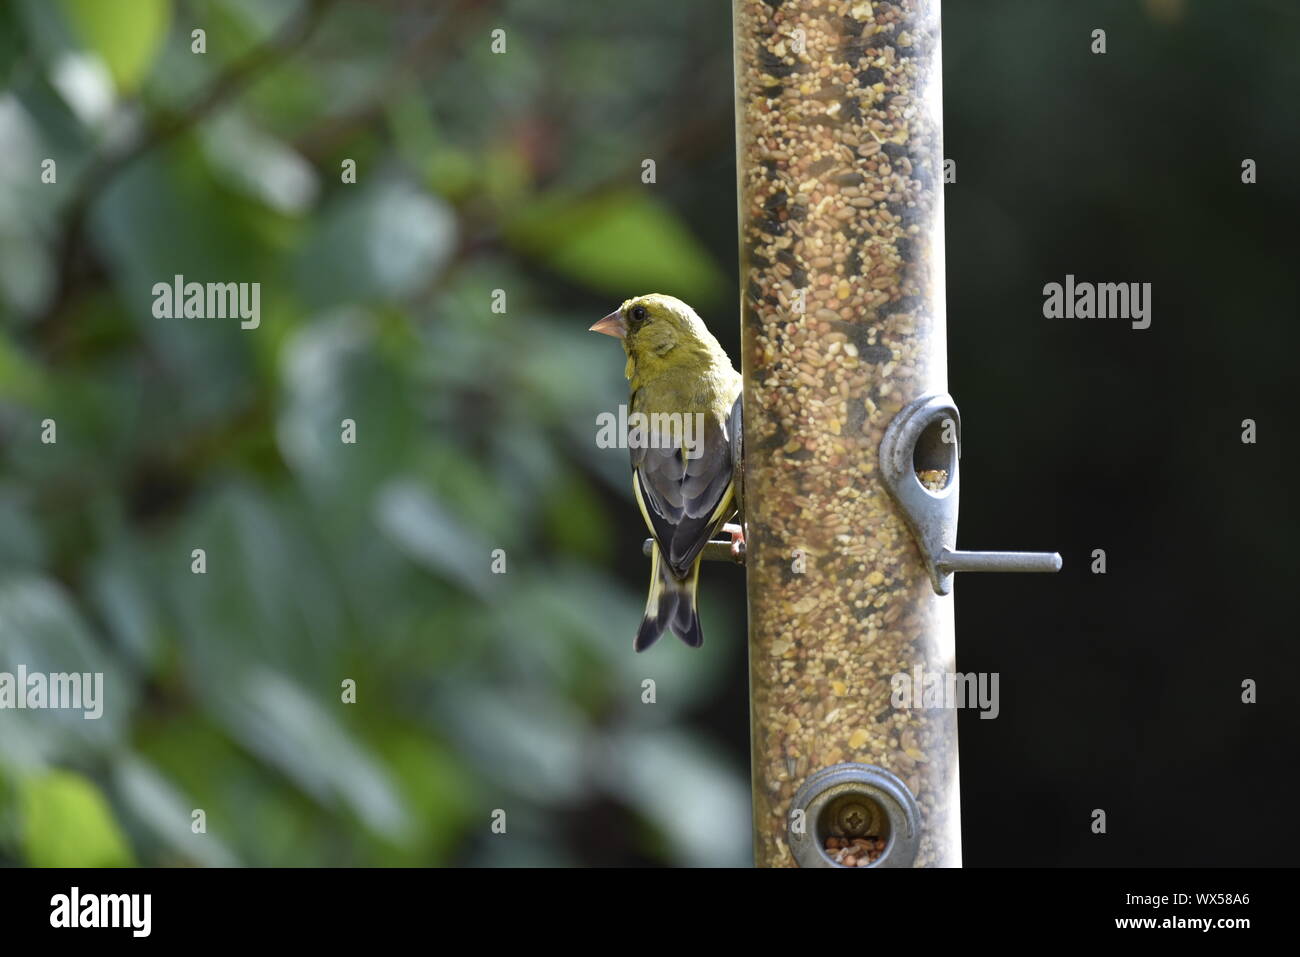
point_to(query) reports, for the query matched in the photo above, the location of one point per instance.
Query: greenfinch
(688, 395)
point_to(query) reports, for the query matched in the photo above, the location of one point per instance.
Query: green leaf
(67, 823)
(624, 243)
(432, 535)
(440, 789)
(650, 770)
(161, 809)
(125, 33)
(11, 42)
(20, 378)
(42, 628)
(291, 730)
(380, 242)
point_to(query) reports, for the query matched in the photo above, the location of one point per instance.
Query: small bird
(685, 489)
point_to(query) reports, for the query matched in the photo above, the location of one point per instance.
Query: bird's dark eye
(638, 314)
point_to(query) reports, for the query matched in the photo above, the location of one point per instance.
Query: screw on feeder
(853, 818)
(924, 438)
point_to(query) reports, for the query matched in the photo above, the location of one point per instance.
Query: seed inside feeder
(933, 479)
(855, 851)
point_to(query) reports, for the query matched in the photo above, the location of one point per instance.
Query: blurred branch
(159, 130)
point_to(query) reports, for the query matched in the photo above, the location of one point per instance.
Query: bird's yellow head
(659, 332)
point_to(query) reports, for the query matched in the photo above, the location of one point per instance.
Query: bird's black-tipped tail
(671, 605)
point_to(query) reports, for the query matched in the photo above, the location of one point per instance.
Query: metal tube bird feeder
(850, 440)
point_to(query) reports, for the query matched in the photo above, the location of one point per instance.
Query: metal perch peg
(950, 561)
(714, 551)
(919, 456)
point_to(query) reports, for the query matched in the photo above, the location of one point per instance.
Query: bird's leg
(737, 534)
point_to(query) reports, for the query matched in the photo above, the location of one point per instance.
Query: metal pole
(840, 177)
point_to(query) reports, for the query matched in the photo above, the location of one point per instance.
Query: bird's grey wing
(685, 498)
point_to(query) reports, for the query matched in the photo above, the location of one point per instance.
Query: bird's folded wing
(684, 498)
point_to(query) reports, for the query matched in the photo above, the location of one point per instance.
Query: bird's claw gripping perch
(737, 542)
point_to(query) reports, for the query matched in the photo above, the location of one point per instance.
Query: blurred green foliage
(327, 561)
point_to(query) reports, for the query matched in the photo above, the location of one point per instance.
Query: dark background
(1122, 691)
(1118, 691)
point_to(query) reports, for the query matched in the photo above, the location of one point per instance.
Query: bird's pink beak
(612, 325)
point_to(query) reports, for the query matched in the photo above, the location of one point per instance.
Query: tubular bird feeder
(851, 442)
